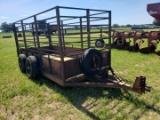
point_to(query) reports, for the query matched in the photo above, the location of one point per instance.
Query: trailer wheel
(119, 41)
(22, 62)
(91, 62)
(19, 35)
(32, 67)
(99, 43)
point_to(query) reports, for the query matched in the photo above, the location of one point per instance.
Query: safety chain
(116, 76)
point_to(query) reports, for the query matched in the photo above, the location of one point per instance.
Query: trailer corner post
(24, 37)
(60, 42)
(110, 36)
(15, 36)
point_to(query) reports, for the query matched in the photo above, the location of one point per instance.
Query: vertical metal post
(16, 38)
(25, 27)
(88, 27)
(36, 28)
(37, 37)
(109, 35)
(81, 32)
(50, 65)
(24, 37)
(101, 33)
(60, 42)
(49, 34)
(62, 35)
(33, 33)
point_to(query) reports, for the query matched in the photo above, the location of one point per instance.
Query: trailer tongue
(154, 10)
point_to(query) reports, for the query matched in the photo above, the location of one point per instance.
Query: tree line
(155, 22)
(7, 27)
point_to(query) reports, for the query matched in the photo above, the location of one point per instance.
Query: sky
(123, 11)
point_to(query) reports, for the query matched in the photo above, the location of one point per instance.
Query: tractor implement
(119, 39)
(152, 39)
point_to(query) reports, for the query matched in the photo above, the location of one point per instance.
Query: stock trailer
(67, 46)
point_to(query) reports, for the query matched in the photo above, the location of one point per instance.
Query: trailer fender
(22, 62)
(91, 62)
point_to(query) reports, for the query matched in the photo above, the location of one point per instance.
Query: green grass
(23, 98)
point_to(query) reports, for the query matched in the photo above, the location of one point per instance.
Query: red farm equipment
(154, 11)
(119, 39)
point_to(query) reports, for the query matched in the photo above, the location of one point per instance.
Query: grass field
(42, 99)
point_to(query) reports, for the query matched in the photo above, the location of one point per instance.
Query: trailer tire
(22, 62)
(99, 43)
(91, 62)
(119, 41)
(19, 35)
(32, 67)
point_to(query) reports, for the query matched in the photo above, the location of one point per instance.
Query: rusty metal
(152, 38)
(140, 84)
(153, 10)
(60, 56)
(121, 36)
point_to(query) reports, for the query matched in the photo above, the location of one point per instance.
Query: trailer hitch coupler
(140, 85)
